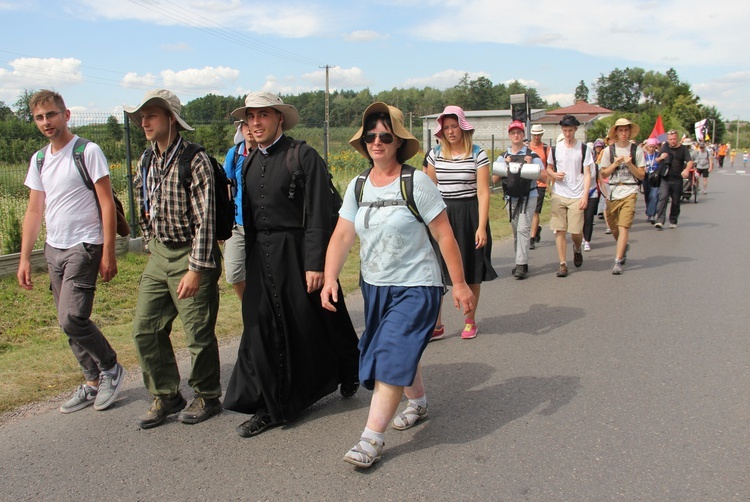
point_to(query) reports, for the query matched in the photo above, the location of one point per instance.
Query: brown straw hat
(411, 144)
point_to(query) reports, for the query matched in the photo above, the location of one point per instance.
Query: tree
(23, 110)
(114, 128)
(582, 92)
(5, 111)
(620, 90)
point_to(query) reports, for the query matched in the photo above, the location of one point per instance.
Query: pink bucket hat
(459, 113)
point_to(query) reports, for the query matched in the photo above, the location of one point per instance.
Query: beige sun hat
(622, 121)
(163, 98)
(262, 99)
(410, 145)
(537, 129)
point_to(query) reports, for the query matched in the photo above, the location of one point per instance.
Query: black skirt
(463, 215)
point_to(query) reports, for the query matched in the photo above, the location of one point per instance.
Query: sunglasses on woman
(385, 137)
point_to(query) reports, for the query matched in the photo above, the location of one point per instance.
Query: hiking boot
(409, 417)
(83, 396)
(577, 257)
(563, 270)
(160, 409)
(617, 269)
(200, 409)
(532, 243)
(365, 453)
(520, 271)
(109, 387)
(538, 234)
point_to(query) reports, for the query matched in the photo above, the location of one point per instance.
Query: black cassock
(293, 352)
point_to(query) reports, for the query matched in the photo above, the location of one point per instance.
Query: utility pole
(737, 143)
(326, 124)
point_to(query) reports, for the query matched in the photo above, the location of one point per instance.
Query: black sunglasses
(385, 137)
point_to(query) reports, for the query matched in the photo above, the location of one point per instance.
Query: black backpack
(583, 156)
(225, 210)
(294, 167)
(517, 187)
(123, 227)
(406, 183)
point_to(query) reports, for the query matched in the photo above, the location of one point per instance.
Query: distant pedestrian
(542, 150)
(570, 167)
(623, 164)
(80, 243)
(676, 165)
(234, 247)
(461, 171)
(652, 180)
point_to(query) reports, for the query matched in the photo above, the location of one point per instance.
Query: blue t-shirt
(395, 249)
(234, 172)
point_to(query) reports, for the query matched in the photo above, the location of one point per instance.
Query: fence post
(128, 160)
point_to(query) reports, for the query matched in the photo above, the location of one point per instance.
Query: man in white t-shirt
(81, 225)
(569, 167)
(623, 163)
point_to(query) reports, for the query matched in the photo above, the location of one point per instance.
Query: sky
(103, 54)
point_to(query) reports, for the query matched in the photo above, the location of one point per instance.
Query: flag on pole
(658, 131)
(700, 129)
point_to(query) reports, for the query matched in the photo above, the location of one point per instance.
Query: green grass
(35, 360)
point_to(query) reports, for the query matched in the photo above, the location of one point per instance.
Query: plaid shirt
(173, 217)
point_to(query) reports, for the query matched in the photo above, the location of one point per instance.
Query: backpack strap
(552, 155)
(583, 155)
(406, 184)
(292, 159)
(185, 164)
(237, 152)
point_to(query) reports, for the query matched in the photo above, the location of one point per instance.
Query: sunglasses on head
(385, 137)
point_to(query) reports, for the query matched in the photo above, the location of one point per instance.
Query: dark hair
(371, 121)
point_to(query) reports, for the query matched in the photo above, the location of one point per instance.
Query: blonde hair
(45, 96)
(466, 143)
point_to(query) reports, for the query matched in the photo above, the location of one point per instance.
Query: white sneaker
(673, 225)
(586, 246)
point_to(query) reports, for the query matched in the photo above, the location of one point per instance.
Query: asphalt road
(592, 387)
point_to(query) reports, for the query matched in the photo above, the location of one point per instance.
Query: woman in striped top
(461, 171)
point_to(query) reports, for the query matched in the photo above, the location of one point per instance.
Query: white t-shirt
(395, 249)
(569, 162)
(622, 183)
(71, 213)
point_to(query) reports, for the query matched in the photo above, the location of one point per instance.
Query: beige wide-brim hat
(537, 129)
(634, 128)
(268, 100)
(163, 98)
(411, 144)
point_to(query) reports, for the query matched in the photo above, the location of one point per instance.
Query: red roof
(581, 107)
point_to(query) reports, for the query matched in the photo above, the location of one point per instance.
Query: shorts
(703, 173)
(540, 199)
(620, 212)
(234, 255)
(565, 215)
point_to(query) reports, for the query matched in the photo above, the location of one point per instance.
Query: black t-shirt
(679, 157)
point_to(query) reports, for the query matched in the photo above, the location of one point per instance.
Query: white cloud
(295, 20)
(563, 99)
(365, 36)
(443, 79)
(669, 31)
(524, 81)
(36, 73)
(133, 80)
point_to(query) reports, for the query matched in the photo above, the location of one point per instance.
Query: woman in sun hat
(462, 173)
(400, 280)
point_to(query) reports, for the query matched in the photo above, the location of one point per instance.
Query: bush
(11, 235)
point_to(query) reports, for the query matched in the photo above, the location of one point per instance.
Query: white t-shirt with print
(71, 213)
(395, 249)
(569, 162)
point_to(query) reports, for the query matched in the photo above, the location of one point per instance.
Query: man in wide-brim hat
(292, 352)
(624, 164)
